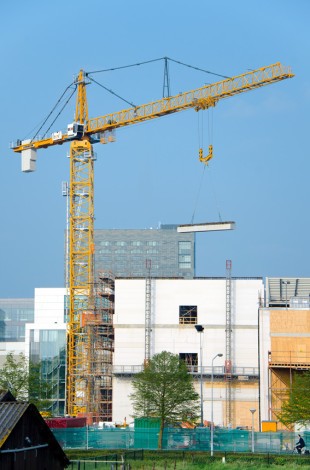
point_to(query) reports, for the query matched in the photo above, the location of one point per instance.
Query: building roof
(6, 395)
(281, 290)
(10, 414)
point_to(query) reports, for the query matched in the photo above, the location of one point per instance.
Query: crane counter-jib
(200, 98)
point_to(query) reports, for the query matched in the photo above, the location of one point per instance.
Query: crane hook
(208, 157)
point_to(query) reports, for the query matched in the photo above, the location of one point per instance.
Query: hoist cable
(215, 198)
(198, 194)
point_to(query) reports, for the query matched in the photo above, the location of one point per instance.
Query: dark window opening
(191, 361)
(188, 314)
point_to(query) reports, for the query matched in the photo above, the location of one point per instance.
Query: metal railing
(194, 370)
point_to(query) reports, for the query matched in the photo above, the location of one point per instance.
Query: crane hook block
(207, 158)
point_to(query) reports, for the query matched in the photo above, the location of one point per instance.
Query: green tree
(14, 376)
(296, 409)
(24, 381)
(165, 389)
(40, 391)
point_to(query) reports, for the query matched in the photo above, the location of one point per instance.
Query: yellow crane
(81, 134)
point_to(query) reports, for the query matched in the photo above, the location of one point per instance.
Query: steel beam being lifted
(206, 227)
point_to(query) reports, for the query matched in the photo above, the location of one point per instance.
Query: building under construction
(284, 338)
(262, 330)
(227, 308)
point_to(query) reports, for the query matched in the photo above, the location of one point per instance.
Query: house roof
(10, 414)
(6, 395)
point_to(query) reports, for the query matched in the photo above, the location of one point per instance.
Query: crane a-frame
(81, 134)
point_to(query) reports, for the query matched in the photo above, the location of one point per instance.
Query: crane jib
(201, 98)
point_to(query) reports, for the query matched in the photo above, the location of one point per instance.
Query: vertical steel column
(148, 312)
(228, 361)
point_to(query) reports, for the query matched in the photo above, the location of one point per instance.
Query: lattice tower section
(81, 252)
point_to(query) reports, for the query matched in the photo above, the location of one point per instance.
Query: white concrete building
(176, 306)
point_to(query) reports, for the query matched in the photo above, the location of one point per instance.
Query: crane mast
(81, 136)
(81, 280)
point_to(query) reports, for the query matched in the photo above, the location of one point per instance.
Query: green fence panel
(142, 437)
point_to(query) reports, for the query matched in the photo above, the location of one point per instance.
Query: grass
(173, 460)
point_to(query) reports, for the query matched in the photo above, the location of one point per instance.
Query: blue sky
(151, 174)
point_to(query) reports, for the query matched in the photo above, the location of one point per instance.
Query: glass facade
(124, 252)
(49, 348)
(14, 314)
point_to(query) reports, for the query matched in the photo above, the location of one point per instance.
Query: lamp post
(200, 329)
(252, 411)
(212, 425)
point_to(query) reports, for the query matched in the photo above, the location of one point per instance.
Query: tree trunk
(161, 434)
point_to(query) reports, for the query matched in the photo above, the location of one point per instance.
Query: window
(136, 243)
(188, 314)
(185, 261)
(185, 258)
(151, 243)
(191, 361)
(185, 247)
(120, 243)
(185, 265)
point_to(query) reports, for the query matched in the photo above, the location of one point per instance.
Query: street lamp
(252, 411)
(200, 329)
(212, 425)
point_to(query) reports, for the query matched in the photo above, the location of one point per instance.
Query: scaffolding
(100, 347)
(283, 365)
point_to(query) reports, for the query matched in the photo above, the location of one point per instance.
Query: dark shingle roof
(10, 414)
(6, 395)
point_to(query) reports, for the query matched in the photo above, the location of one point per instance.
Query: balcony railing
(289, 359)
(242, 373)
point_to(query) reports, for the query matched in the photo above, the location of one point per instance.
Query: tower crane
(82, 134)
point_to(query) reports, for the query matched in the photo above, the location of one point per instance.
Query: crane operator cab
(75, 130)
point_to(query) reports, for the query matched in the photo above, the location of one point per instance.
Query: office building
(14, 315)
(161, 252)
